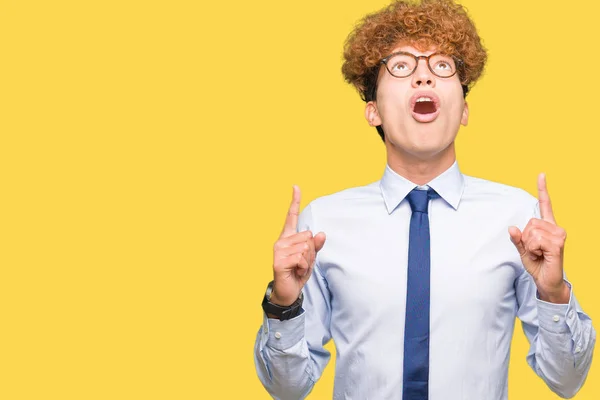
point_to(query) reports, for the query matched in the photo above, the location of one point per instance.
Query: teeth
(421, 99)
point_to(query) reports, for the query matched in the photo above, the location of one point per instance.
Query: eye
(443, 65)
(400, 66)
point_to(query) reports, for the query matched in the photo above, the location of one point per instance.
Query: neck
(419, 169)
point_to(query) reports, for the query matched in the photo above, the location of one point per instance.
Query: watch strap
(281, 312)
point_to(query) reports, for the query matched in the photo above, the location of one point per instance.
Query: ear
(371, 114)
(465, 115)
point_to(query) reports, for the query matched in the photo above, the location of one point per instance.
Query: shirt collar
(449, 185)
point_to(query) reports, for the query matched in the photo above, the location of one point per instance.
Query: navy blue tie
(416, 331)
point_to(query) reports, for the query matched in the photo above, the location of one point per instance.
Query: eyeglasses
(402, 64)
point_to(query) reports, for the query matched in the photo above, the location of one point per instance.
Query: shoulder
(348, 202)
(478, 188)
(348, 196)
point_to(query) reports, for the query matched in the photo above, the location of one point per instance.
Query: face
(420, 114)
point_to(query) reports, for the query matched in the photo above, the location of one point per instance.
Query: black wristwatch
(281, 312)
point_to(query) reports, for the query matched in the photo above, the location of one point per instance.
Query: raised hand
(294, 256)
(541, 246)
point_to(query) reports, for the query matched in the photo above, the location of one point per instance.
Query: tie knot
(419, 199)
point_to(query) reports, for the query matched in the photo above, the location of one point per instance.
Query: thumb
(515, 237)
(319, 241)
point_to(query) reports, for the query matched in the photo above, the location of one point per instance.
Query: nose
(423, 76)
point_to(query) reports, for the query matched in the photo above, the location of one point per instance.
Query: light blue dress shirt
(357, 297)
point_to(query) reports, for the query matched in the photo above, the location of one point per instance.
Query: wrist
(558, 295)
(278, 311)
(283, 303)
(281, 297)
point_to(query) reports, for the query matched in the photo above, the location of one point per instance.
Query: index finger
(291, 220)
(544, 199)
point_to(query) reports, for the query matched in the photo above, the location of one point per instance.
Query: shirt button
(265, 331)
(556, 318)
(577, 349)
(571, 314)
(277, 335)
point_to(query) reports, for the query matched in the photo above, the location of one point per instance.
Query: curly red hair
(423, 24)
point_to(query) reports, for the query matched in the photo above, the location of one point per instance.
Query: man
(423, 272)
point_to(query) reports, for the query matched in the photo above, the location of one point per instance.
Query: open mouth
(425, 107)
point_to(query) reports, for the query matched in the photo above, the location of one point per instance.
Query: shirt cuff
(557, 318)
(282, 335)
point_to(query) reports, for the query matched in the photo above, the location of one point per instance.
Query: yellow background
(147, 155)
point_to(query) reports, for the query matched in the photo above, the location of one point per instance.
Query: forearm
(282, 359)
(562, 351)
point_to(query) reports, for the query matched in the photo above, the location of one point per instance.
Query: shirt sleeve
(561, 336)
(289, 355)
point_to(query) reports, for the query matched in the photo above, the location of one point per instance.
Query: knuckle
(292, 213)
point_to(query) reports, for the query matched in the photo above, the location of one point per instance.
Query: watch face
(269, 290)
(282, 312)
